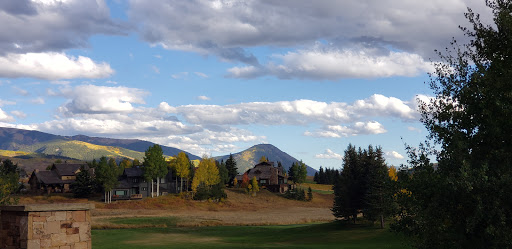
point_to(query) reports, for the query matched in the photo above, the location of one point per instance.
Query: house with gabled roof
(56, 180)
(132, 185)
(268, 176)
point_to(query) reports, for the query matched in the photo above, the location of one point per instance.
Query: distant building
(56, 180)
(268, 176)
(132, 185)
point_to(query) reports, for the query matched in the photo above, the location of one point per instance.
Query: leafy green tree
(106, 176)
(155, 166)
(84, 184)
(293, 172)
(9, 178)
(466, 202)
(302, 173)
(136, 162)
(232, 168)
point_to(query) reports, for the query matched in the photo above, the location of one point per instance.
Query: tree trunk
(176, 182)
(355, 218)
(381, 221)
(152, 195)
(158, 186)
(181, 186)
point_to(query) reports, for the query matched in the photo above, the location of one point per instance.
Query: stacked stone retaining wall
(53, 226)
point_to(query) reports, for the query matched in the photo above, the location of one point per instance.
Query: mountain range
(26, 144)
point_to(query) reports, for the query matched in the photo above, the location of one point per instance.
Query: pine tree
(83, 186)
(232, 168)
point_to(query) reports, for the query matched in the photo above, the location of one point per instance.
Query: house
(132, 185)
(56, 180)
(268, 176)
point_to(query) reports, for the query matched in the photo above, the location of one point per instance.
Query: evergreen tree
(223, 172)
(347, 188)
(379, 195)
(232, 168)
(84, 184)
(310, 194)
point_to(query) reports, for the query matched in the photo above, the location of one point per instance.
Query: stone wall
(55, 226)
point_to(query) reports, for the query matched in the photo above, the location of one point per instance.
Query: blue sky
(216, 77)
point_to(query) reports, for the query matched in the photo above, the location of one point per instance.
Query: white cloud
(52, 66)
(155, 69)
(299, 112)
(20, 91)
(4, 117)
(19, 114)
(334, 64)
(358, 128)
(60, 82)
(165, 107)
(203, 75)
(182, 75)
(394, 155)
(203, 98)
(89, 99)
(329, 154)
(410, 128)
(6, 102)
(37, 101)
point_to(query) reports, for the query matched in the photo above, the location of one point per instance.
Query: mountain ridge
(246, 159)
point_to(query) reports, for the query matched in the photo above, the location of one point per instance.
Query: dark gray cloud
(18, 7)
(53, 25)
(410, 26)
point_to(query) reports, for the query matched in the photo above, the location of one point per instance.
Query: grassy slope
(80, 150)
(326, 235)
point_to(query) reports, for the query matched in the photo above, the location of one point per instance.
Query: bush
(295, 194)
(216, 192)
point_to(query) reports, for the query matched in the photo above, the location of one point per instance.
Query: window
(162, 180)
(135, 180)
(263, 181)
(120, 192)
(144, 189)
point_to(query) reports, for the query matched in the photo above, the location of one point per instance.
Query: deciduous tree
(466, 202)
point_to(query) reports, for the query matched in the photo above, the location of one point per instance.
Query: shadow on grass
(323, 235)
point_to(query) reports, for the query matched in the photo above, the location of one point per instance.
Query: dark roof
(265, 164)
(49, 177)
(133, 172)
(125, 183)
(68, 169)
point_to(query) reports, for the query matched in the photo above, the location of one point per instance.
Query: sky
(217, 77)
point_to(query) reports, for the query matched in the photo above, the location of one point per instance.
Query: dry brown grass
(238, 209)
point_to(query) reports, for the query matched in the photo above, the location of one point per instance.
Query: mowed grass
(324, 235)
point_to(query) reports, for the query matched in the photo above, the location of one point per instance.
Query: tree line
(327, 176)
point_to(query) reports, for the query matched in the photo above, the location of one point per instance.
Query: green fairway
(326, 235)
